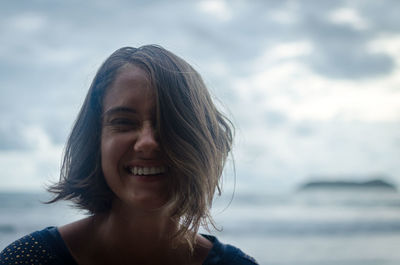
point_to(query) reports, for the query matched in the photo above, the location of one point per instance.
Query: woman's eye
(123, 124)
(121, 121)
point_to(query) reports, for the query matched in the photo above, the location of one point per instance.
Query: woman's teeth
(143, 171)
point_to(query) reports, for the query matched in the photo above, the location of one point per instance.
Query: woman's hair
(194, 136)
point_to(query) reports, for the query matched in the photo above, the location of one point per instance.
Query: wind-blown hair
(194, 136)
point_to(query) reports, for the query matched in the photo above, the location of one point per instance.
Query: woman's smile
(147, 173)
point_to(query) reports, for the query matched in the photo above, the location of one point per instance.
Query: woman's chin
(143, 201)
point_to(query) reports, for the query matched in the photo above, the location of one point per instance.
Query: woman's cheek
(114, 147)
(109, 161)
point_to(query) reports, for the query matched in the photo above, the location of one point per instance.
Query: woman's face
(131, 157)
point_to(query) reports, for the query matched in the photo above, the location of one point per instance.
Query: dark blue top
(47, 247)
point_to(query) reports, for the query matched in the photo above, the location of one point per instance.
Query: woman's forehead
(130, 73)
(131, 86)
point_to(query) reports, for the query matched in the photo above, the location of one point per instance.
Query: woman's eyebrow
(119, 110)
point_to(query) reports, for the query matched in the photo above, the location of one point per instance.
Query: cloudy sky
(312, 86)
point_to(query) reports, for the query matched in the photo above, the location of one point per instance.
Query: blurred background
(312, 86)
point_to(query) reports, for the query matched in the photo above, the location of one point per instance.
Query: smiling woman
(145, 158)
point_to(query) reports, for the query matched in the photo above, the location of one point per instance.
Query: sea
(324, 227)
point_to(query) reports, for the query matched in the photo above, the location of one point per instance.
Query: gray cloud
(95, 27)
(350, 63)
(12, 138)
(275, 118)
(342, 52)
(67, 38)
(383, 15)
(305, 129)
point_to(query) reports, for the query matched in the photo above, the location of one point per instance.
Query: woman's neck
(123, 236)
(145, 227)
(139, 235)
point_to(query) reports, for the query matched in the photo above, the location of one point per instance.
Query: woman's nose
(146, 142)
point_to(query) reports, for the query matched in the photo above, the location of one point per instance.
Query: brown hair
(195, 137)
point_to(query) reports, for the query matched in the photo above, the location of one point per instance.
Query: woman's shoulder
(226, 254)
(45, 246)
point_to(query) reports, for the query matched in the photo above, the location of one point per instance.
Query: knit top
(48, 248)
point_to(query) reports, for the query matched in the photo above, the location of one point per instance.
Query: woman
(144, 157)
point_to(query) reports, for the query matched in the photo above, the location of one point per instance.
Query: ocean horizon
(318, 227)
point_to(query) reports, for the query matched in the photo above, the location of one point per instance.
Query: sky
(313, 87)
